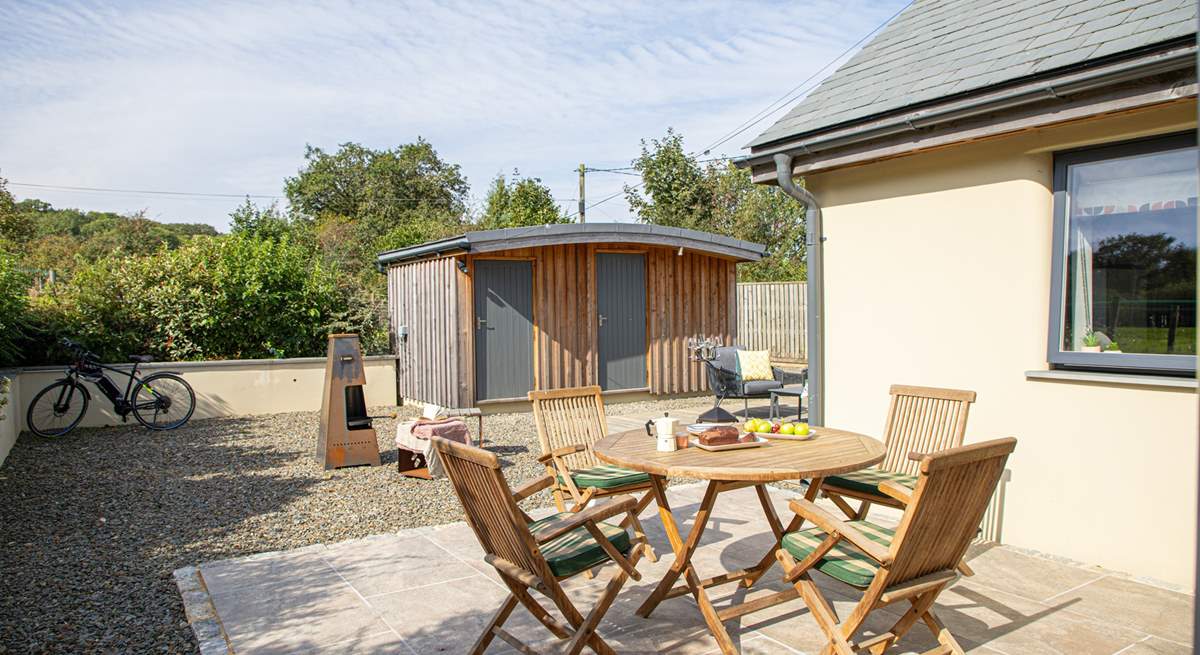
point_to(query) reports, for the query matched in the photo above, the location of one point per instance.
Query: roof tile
(936, 48)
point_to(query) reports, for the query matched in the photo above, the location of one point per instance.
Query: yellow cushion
(754, 365)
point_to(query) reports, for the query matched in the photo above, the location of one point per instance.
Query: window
(1125, 256)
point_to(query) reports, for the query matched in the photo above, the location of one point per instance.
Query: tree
(15, 227)
(381, 190)
(263, 222)
(718, 197)
(525, 202)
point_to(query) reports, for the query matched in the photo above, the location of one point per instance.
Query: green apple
(787, 428)
(801, 429)
(750, 425)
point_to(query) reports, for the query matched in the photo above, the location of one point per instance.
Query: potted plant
(1091, 343)
(1112, 347)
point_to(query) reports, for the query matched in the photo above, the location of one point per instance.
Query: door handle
(603, 318)
(479, 323)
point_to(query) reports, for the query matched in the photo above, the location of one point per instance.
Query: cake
(721, 435)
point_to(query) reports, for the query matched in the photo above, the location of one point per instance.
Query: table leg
(683, 561)
(757, 571)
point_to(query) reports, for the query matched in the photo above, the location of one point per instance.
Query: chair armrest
(561, 452)
(831, 525)
(896, 491)
(532, 487)
(618, 505)
(777, 373)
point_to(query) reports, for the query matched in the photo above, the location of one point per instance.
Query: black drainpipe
(815, 318)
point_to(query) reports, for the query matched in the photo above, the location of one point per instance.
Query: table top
(830, 452)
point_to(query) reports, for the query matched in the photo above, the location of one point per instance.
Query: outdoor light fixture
(462, 265)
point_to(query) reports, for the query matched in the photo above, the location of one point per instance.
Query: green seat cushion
(606, 476)
(867, 480)
(576, 550)
(843, 561)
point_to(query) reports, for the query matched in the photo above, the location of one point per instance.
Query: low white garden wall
(10, 421)
(223, 388)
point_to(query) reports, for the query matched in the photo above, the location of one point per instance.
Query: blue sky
(221, 97)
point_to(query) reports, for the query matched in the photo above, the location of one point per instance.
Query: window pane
(1131, 266)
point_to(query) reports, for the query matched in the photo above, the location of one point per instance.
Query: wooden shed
(491, 315)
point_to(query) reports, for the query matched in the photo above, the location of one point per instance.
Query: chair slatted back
(953, 490)
(923, 420)
(566, 417)
(489, 506)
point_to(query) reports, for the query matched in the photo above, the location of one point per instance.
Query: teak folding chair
(919, 420)
(569, 422)
(913, 563)
(536, 555)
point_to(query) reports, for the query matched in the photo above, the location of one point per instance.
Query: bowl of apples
(779, 430)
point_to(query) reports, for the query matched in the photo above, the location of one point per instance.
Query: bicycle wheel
(57, 409)
(163, 401)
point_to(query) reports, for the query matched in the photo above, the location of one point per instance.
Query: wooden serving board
(730, 446)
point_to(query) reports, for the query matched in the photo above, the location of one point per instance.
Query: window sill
(1116, 379)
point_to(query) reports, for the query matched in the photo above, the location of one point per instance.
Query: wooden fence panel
(771, 316)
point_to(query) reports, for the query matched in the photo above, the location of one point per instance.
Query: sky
(222, 97)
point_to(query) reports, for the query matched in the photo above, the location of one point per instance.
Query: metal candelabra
(704, 349)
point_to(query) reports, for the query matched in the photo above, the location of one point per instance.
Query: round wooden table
(829, 452)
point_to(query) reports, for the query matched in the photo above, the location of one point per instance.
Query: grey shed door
(503, 328)
(621, 314)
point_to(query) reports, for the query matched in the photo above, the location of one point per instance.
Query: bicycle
(162, 401)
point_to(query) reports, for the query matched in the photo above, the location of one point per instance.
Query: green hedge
(229, 297)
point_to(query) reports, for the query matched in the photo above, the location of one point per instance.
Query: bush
(234, 297)
(14, 287)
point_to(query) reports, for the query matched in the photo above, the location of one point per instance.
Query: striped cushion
(844, 561)
(577, 550)
(606, 476)
(867, 480)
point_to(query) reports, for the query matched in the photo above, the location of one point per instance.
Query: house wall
(223, 388)
(938, 273)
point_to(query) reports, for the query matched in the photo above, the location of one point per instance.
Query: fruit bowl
(778, 430)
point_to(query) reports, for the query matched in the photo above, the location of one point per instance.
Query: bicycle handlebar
(79, 351)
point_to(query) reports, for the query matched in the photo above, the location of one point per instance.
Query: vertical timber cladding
(565, 311)
(687, 295)
(425, 301)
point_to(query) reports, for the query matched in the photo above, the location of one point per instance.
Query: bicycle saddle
(141, 359)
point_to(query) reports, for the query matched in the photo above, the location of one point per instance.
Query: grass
(1149, 340)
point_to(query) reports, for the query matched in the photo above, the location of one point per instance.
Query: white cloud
(223, 96)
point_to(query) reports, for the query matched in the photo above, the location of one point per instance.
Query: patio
(426, 589)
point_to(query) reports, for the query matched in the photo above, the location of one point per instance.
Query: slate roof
(938, 48)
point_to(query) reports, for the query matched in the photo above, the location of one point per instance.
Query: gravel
(92, 525)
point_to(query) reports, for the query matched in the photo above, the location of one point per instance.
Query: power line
(192, 194)
(788, 97)
(61, 187)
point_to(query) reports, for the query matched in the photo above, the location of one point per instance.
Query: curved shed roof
(512, 238)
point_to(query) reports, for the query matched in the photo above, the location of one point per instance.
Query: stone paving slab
(427, 590)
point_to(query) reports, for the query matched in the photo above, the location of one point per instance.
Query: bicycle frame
(120, 401)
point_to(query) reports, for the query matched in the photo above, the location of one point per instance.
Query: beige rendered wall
(228, 388)
(10, 423)
(937, 272)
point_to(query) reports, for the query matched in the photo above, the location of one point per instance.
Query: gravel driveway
(93, 524)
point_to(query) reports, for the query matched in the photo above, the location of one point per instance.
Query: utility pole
(582, 204)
